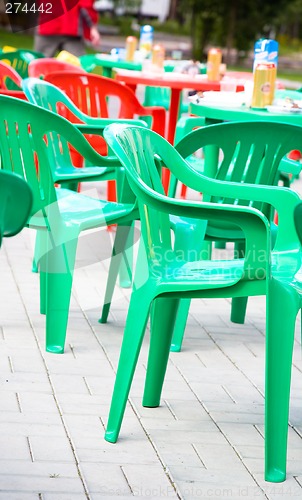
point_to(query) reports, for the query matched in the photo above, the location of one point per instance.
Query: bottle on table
(158, 56)
(131, 44)
(213, 64)
(146, 39)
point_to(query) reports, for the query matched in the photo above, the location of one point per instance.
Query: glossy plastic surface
(8, 73)
(14, 191)
(161, 278)
(19, 60)
(38, 68)
(8, 78)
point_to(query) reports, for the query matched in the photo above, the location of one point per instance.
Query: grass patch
(17, 40)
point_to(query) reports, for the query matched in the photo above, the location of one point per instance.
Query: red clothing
(67, 17)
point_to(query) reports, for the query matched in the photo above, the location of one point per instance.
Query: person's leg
(48, 45)
(74, 45)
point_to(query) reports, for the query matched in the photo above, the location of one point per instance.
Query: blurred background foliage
(233, 25)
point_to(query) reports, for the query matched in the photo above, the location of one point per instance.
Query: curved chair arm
(98, 129)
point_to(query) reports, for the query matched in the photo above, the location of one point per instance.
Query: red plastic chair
(10, 74)
(7, 71)
(40, 67)
(93, 94)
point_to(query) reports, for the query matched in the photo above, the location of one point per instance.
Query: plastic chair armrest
(253, 223)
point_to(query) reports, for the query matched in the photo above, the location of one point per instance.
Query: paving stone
(204, 441)
(51, 448)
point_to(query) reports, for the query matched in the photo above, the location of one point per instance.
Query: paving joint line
(220, 430)
(127, 480)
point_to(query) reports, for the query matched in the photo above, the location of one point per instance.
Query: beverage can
(158, 55)
(131, 43)
(262, 86)
(146, 38)
(213, 64)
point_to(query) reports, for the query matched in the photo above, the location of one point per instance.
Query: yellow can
(158, 55)
(131, 44)
(213, 64)
(262, 86)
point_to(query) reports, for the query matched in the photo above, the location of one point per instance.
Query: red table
(176, 82)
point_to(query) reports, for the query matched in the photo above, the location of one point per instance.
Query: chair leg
(283, 305)
(133, 336)
(187, 241)
(239, 304)
(59, 263)
(163, 318)
(35, 261)
(118, 251)
(238, 309)
(180, 325)
(42, 277)
(39, 260)
(125, 272)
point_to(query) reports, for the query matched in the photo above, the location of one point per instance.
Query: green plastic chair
(59, 215)
(14, 192)
(248, 156)
(161, 278)
(50, 97)
(19, 60)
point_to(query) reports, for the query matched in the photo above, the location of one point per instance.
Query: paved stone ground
(204, 441)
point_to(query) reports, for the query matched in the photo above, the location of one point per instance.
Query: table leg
(173, 116)
(107, 72)
(132, 87)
